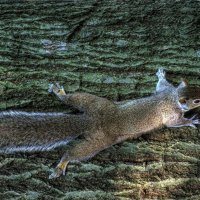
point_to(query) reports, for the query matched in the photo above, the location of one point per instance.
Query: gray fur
(102, 124)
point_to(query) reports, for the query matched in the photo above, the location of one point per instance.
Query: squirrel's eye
(182, 100)
(196, 101)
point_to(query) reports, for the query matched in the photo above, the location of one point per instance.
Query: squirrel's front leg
(184, 122)
(162, 84)
(83, 150)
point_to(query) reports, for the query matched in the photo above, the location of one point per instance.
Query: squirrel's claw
(51, 85)
(56, 89)
(160, 73)
(194, 121)
(59, 170)
(193, 126)
(56, 173)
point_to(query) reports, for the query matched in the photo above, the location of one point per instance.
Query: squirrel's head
(189, 96)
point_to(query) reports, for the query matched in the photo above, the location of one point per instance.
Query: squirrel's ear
(183, 84)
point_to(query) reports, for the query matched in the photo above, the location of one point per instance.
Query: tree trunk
(111, 49)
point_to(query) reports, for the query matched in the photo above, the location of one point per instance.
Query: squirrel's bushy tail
(28, 131)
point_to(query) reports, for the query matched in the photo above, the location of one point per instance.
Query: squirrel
(102, 122)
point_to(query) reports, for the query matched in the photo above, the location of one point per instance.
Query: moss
(111, 49)
(88, 195)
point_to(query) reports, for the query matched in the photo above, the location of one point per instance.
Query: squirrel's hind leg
(82, 101)
(162, 84)
(57, 90)
(83, 150)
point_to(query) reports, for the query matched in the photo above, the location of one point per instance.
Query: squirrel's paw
(59, 170)
(56, 89)
(194, 121)
(160, 73)
(51, 86)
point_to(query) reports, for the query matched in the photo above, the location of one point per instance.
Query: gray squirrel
(103, 123)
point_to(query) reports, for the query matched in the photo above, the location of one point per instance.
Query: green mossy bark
(111, 49)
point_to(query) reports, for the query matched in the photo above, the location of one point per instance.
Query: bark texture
(109, 48)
